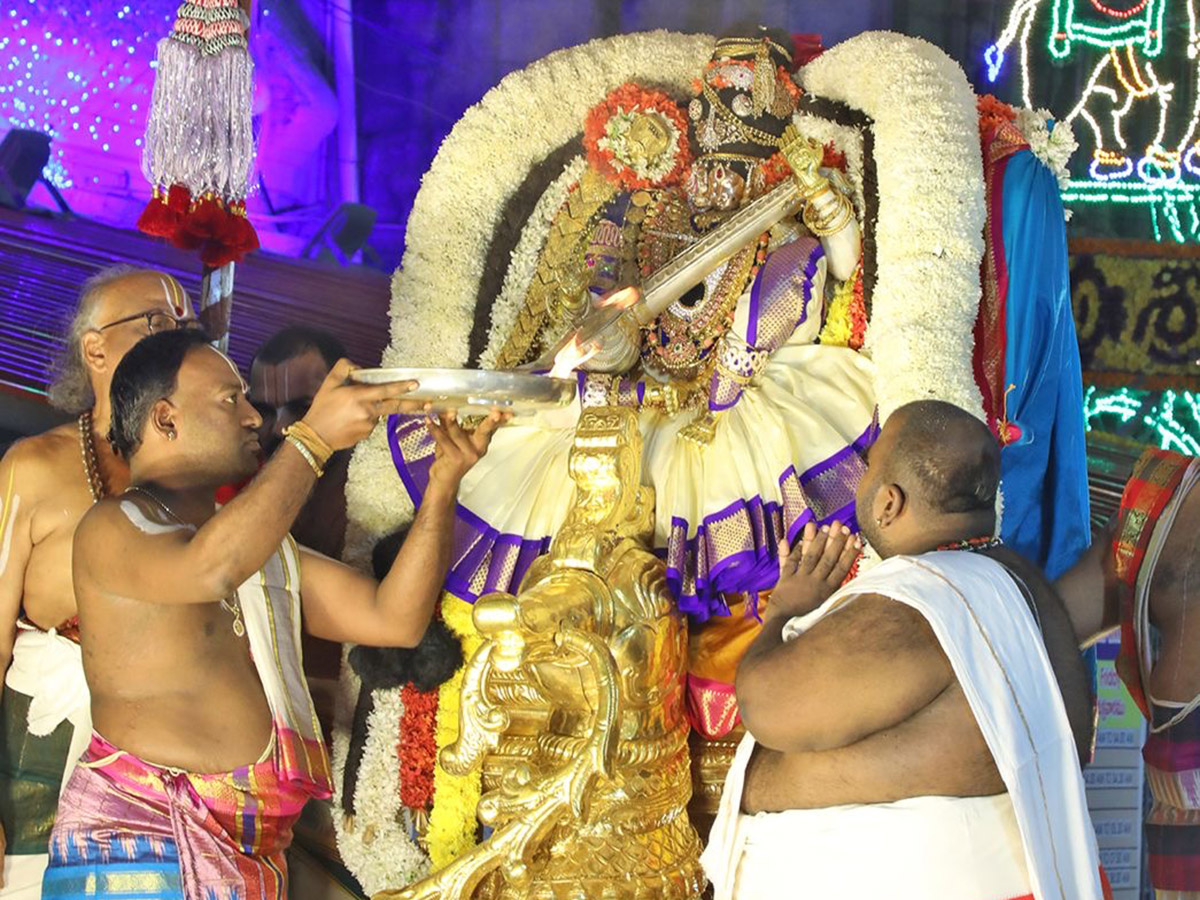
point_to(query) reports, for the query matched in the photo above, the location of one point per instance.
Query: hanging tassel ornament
(762, 91)
(199, 146)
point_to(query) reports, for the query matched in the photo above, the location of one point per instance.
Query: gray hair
(70, 385)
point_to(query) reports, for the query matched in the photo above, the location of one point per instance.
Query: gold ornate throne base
(573, 706)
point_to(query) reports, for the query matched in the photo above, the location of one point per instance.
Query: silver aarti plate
(476, 391)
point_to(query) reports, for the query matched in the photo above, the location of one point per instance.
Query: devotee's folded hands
(814, 569)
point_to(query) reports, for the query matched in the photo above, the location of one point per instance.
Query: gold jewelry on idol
(733, 157)
(827, 212)
(724, 126)
(735, 47)
(763, 90)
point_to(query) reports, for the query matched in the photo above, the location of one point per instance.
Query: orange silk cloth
(714, 650)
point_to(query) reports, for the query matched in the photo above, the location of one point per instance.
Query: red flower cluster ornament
(638, 138)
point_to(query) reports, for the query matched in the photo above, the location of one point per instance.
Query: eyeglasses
(156, 321)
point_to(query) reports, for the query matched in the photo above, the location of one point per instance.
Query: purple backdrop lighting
(81, 73)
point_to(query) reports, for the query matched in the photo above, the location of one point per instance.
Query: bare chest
(149, 649)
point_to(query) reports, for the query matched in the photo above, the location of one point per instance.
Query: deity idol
(751, 426)
(796, 285)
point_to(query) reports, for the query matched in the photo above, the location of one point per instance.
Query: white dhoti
(1037, 839)
(47, 668)
(924, 848)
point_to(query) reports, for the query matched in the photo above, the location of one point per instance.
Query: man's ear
(894, 502)
(164, 419)
(94, 351)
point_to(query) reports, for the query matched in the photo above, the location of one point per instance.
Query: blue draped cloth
(1044, 472)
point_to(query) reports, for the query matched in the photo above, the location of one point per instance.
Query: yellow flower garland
(838, 326)
(452, 821)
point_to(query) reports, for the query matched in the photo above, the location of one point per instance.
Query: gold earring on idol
(171, 435)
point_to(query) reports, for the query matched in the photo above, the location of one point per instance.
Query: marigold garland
(992, 114)
(453, 820)
(417, 747)
(626, 100)
(858, 312)
(846, 321)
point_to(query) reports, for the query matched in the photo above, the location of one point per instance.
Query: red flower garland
(858, 314)
(833, 158)
(626, 99)
(417, 747)
(775, 167)
(993, 114)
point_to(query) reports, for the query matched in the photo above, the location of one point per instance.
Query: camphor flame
(622, 299)
(572, 356)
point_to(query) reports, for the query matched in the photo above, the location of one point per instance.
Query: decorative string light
(1168, 419)
(1122, 48)
(79, 71)
(1142, 23)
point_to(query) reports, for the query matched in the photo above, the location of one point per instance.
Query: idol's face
(715, 186)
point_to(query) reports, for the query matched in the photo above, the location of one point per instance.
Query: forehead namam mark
(144, 291)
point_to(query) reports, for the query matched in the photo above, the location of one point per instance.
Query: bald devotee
(1142, 578)
(918, 733)
(206, 745)
(47, 483)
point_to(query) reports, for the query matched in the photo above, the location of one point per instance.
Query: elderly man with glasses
(47, 483)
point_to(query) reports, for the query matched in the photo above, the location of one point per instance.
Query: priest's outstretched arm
(344, 605)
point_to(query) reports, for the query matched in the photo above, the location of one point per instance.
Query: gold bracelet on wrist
(823, 223)
(309, 458)
(303, 435)
(309, 435)
(313, 441)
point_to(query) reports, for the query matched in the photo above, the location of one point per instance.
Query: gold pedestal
(573, 706)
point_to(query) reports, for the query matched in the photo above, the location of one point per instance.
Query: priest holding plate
(206, 744)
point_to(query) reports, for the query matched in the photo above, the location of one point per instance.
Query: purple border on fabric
(753, 570)
(778, 267)
(810, 269)
(473, 538)
(713, 386)
(745, 571)
(755, 297)
(858, 448)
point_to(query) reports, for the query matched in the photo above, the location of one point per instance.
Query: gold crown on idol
(742, 47)
(751, 66)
